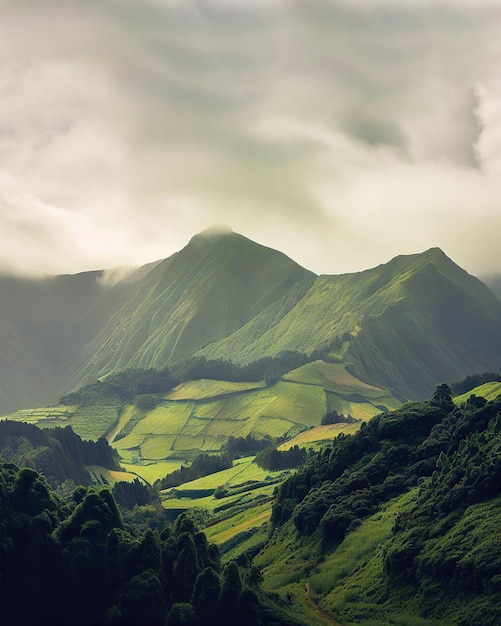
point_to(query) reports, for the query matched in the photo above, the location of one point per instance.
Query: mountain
(213, 287)
(44, 323)
(405, 325)
(414, 321)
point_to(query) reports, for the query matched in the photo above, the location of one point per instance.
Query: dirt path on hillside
(309, 595)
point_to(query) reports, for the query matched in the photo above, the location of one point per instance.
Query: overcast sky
(340, 132)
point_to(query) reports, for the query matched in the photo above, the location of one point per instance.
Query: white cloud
(340, 132)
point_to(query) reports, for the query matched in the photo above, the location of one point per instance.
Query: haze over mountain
(405, 325)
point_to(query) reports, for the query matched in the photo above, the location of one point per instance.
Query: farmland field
(206, 388)
(102, 475)
(320, 434)
(90, 422)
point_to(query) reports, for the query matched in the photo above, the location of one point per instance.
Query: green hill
(396, 524)
(200, 415)
(414, 321)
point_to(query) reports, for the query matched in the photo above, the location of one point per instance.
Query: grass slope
(90, 422)
(429, 556)
(205, 292)
(415, 321)
(489, 391)
(201, 415)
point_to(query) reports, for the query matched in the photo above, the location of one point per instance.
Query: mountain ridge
(405, 324)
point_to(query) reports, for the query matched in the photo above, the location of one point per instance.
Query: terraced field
(241, 512)
(90, 422)
(206, 388)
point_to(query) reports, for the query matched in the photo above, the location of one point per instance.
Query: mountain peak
(217, 230)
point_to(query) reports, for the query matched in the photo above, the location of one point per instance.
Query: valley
(187, 387)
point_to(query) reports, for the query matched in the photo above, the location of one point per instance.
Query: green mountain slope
(414, 321)
(405, 325)
(396, 524)
(214, 286)
(43, 324)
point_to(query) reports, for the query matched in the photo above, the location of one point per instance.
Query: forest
(79, 561)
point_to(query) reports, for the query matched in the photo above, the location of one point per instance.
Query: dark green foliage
(76, 562)
(57, 452)
(274, 460)
(136, 493)
(245, 446)
(203, 465)
(385, 458)
(475, 380)
(333, 417)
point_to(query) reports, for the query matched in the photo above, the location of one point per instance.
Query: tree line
(76, 561)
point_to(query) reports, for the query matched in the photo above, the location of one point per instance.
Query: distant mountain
(43, 324)
(414, 321)
(493, 281)
(405, 325)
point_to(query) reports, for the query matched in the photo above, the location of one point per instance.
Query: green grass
(102, 475)
(90, 422)
(333, 377)
(339, 580)
(320, 435)
(125, 416)
(489, 391)
(240, 518)
(224, 530)
(153, 471)
(204, 389)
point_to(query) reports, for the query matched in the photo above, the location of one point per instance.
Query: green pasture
(332, 377)
(224, 530)
(239, 519)
(489, 391)
(103, 476)
(206, 388)
(44, 416)
(177, 429)
(125, 415)
(153, 471)
(90, 422)
(319, 435)
(344, 582)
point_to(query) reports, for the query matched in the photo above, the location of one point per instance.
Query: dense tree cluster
(57, 452)
(77, 563)
(275, 460)
(333, 417)
(475, 380)
(203, 465)
(130, 384)
(131, 494)
(245, 446)
(351, 478)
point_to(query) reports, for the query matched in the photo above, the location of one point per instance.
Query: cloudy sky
(342, 132)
